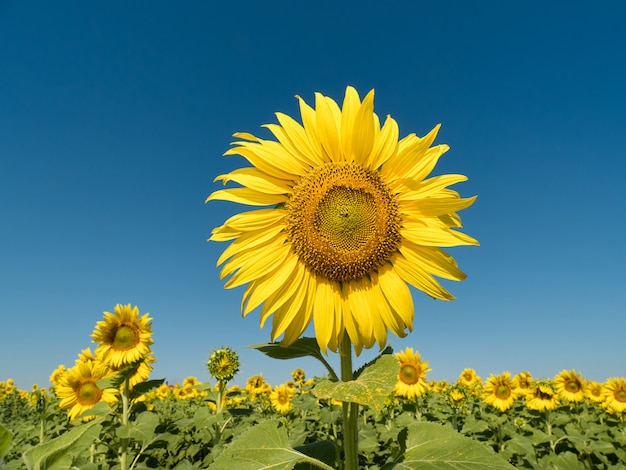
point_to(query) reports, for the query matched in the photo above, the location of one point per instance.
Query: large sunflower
(124, 336)
(570, 385)
(352, 220)
(77, 387)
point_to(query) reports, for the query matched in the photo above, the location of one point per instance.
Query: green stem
(125, 416)
(350, 411)
(220, 395)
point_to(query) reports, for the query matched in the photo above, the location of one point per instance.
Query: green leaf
(434, 446)
(5, 440)
(145, 387)
(372, 387)
(300, 348)
(321, 450)
(263, 446)
(57, 452)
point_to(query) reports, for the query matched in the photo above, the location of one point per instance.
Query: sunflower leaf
(386, 352)
(263, 446)
(145, 387)
(5, 440)
(431, 445)
(300, 348)
(372, 387)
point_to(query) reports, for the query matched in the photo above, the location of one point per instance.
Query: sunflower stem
(350, 410)
(125, 415)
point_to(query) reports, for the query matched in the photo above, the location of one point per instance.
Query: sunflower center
(410, 374)
(282, 398)
(503, 392)
(88, 394)
(620, 395)
(343, 221)
(125, 338)
(572, 386)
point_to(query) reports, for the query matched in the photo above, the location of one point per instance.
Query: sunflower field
(98, 416)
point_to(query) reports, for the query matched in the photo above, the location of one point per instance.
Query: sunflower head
(280, 398)
(298, 376)
(499, 391)
(348, 219)
(458, 396)
(223, 364)
(522, 382)
(412, 375)
(594, 391)
(56, 375)
(123, 336)
(615, 395)
(542, 396)
(570, 386)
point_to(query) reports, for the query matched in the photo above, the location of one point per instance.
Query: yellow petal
(324, 314)
(325, 112)
(397, 294)
(249, 241)
(255, 266)
(309, 122)
(298, 284)
(363, 130)
(431, 236)
(417, 277)
(351, 103)
(433, 260)
(246, 196)
(385, 145)
(257, 180)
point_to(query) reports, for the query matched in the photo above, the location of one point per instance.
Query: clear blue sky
(114, 116)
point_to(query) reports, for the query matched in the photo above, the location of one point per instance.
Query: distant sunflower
(499, 391)
(469, 378)
(542, 396)
(223, 364)
(124, 337)
(570, 386)
(594, 391)
(281, 399)
(522, 382)
(255, 385)
(56, 375)
(615, 394)
(298, 376)
(78, 390)
(412, 375)
(352, 220)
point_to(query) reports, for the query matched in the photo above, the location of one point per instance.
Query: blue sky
(114, 117)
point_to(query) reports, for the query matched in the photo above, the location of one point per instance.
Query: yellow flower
(141, 370)
(412, 376)
(457, 395)
(298, 376)
(78, 391)
(469, 378)
(57, 374)
(594, 391)
(499, 391)
(542, 396)
(569, 384)
(351, 221)
(255, 385)
(522, 382)
(124, 337)
(615, 394)
(281, 399)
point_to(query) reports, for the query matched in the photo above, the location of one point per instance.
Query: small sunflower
(594, 391)
(522, 382)
(469, 378)
(457, 396)
(255, 385)
(78, 391)
(615, 394)
(281, 399)
(298, 376)
(412, 375)
(570, 386)
(124, 337)
(223, 364)
(350, 219)
(542, 396)
(56, 375)
(499, 391)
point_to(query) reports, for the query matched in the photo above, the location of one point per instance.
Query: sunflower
(124, 337)
(140, 370)
(56, 375)
(351, 221)
(615, 394)
(522, 382)
(256, 385)
(570, 385)
(77, 388)
(223, 364)
(281, 399)
(499, 391)
(470, 379)
(412, 376)
(457, 395)
(594, 391)
(542, 396)
(298, 376)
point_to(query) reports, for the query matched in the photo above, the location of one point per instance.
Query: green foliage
(431, 445)
(372, 388)
(264, 446)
